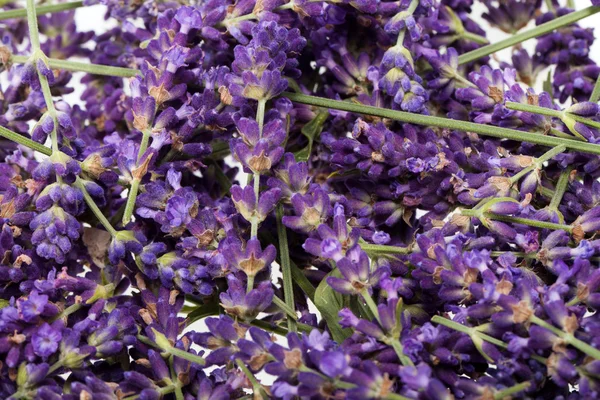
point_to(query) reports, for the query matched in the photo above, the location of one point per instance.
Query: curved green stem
(68, 311)
(464, 126)
(530, 34)
(76, 66)
(508, 392)
(568, 337)
(517, 220)
(559, 190)
(473, 37)
(24, 141)
(289, 311)
(286, 268)
(46, 9)
(92, 205)
(551, 113)
(258, 389)
(260, 119)
(374, 249)
(596, 92)
(538, 162)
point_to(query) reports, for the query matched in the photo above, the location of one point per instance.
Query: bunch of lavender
(310, 199)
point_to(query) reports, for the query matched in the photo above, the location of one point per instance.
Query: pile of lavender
(313, 199)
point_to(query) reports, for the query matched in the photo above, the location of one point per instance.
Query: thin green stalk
(45, 9)
(22, 140)
(530, 34)
(92, 205)
(33, 26)
(174, 351)
(68, 311)
(474, 332)
(76, 66)
(508, 392)
(394, 396)
(561, 134)
(551, 113)
(559, 190)
(596, 92)
(409, 11)
(286, 269)
(473, 37)
(538, 162)
(260, 119)
(518, 254)
(251, 16)
(517, 220)
(162, 390)
(131, 198)
(373, 249)
(55, 366)
(256, 386)
(175, 380)
(464, 126)
(371, 304)
(289, 311)
(467, 330)
(399, 349)
(568, 337)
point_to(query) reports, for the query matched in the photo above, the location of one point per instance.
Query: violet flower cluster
(311, 199)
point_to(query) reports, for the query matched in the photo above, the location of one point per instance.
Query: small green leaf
(329, 303)
(311, 130)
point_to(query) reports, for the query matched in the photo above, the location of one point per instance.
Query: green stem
(517, 220)
(473, 37)
(530, 34)
(568, 337)
(46, 9)
(399, 349)
(174, 351)
(92, 205)
(559, 190)
(551, 113)
(394, 396)
(34, 36)
(251, 16)
(175, 380)
(518, 254)
(371, 304)
(538, 162)
(260, 119)
(55, 366)
(373, 249)
(596, 92)
(467, 330)
(561, 134)
(256, 386)
(68, 311)
(143, 144)
(131, 198)
(76, 66)
(464, 126)
(508, 392)
(530, 222)
(135, 183)
(285, 308)
(286, 269)
(163, 391)
(22, 140)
